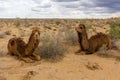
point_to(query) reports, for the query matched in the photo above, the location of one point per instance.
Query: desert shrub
(115, 32)
(22, 32)
(68, 35)
(17, 22)
(103, 52)
(26, 23)
(57, 22)
(8, 32)
(71, 37)
(52, 49)
(114, 23)
(103, 49)
(88, 26)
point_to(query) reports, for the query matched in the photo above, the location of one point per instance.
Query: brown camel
(91, 45)
(26, 52)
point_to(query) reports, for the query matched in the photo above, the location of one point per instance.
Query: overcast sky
(59, 8)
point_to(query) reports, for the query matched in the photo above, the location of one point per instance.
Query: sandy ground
(72, 67)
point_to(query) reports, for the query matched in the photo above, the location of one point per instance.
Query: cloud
(59, 8)
(65, 0)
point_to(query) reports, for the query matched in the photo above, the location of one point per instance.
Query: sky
(59, 8)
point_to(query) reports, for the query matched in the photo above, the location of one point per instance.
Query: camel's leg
(9, 53)
(36, 56)
(78, 51)
(109, 45)
(27, 59)
(18, 54)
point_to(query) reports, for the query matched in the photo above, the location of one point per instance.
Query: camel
(26, 52)
(91, 45)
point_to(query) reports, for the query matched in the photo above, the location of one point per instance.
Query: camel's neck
(83, 40)
(31, 45)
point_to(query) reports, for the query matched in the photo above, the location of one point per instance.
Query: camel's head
(80, 28)
(36, 33)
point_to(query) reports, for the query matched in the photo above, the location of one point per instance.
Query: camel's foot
(36, 57)
(82, 53)
(27, 60)
(78, 52)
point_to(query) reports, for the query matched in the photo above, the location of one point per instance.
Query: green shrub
(115, 32)
(88, 26)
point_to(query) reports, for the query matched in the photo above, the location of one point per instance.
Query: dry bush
(8, 32)
(69, 35)
(115, 44)
(27, 22)
(2, 34)
(103, 52)
(17, 22)
(52, 49)
(22, 32)
(71, 38)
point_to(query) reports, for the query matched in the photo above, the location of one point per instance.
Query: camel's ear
(83, 26)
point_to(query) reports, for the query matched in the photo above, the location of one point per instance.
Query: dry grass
(8, 32)
(52, 49)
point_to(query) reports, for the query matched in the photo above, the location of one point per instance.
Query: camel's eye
(81, 27)
(39, 33)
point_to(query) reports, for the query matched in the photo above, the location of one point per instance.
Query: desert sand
(71, 67)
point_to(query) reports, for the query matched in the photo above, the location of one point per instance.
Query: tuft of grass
(103, 49)
(52, 49)
(8, 32)
(103, 52)
(22, 32)
(17, 22)
(69, 35)
(71, 38)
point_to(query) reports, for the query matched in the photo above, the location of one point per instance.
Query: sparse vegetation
(17, 22)
(52, 49)
(115, 32)
(71, 37)
(57, 48)
(8, 32)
